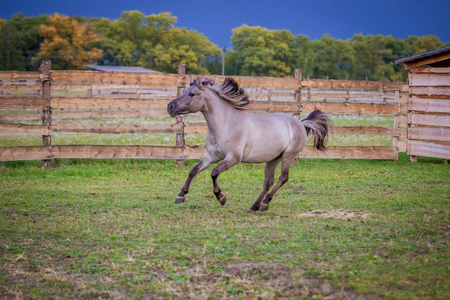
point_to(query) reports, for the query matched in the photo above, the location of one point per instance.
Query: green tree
(154, 42)
(21, 36)
(263, 52)
(332, 58)
(305, 58)
(425, 43)
(369, 52)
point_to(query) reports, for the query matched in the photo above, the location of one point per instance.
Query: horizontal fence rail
(77, 98)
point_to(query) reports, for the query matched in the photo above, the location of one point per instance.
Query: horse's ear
(207, 82)
(191, 81)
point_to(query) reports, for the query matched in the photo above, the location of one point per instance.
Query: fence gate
(429, 113)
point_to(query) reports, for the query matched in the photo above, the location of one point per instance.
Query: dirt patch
(254, 280)
(343, 214)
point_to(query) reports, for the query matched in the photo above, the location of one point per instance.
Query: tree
(332, 58)
(305, 57)
(21, 36)
(369, 52)
(263, 52)
(425, 43)
(68, 43)
(153, 42)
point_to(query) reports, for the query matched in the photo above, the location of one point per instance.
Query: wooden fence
(429, 113)
(59, 98)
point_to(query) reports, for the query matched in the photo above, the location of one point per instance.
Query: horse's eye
(191, 94)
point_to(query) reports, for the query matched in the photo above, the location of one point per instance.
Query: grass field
(339, 229)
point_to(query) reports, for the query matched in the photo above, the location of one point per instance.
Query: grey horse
(236, 136)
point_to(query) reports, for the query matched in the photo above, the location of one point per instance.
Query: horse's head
(191, 101)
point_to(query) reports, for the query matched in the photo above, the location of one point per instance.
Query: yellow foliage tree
(68, 43)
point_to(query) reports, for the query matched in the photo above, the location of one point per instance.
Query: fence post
(180, 141)
(47, 110)
(298, 92)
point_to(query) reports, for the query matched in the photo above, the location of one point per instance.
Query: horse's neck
(218, 114)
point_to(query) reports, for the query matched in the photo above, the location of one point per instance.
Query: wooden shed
(429, 104)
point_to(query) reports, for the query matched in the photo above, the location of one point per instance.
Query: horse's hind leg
(286, 164)
(269, 174)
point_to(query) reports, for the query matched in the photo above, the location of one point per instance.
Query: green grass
(109, 229)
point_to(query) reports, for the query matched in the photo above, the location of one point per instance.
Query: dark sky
(313, 18)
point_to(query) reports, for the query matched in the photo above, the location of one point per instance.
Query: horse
(237, 136)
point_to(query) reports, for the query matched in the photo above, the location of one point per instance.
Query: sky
(313, 18)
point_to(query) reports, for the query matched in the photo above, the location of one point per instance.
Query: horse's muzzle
(171, 109)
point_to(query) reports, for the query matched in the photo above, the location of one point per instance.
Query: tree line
(154, 42)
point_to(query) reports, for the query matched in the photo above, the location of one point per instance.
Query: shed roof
(435, 58)
(120, 69)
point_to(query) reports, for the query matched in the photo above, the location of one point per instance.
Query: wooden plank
(352, 152)
(429, 79)
(89, 151)
(24, 153)
(116, 128)
(402, 121)
(24, 129)
(429, 105)
(431, 70)
(25, 104)
(63, 103)
(402, 146)
(429, 120)
(86, 115)
(404, 98)
(16, 75)
(21, 117)
(16, 87)
(431, 91)
(369, 130)
(167, 152)
(105, 86)
(331, 152)
(352, 84)
(95, 77)
(106, 114)
(429, 149)
(373, 108)
(133, 96)
(352, 96)
(328, 95)
(429, 133)
(201, 128)
(256, 82)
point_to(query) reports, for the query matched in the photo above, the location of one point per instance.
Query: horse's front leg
(205, 162)
(227, 163)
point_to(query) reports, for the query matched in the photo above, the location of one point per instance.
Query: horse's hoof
(180, 199)
(264, 207)
(250, 211)
(222, 199)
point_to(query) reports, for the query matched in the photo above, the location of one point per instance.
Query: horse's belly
(270, 135)
(264, 150)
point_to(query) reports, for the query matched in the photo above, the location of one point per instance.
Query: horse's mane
(229, 91)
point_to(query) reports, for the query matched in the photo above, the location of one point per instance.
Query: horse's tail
(316, 124)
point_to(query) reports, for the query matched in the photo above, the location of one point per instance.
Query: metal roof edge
(422, 55)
